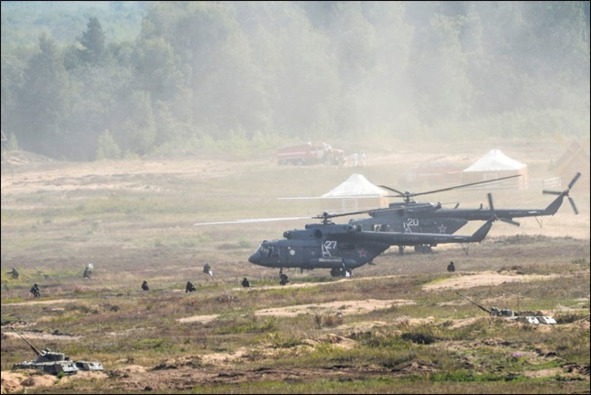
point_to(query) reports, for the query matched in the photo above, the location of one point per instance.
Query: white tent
(495, 160)
(495, 164)
(356, 192)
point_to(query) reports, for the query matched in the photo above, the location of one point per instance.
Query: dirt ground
(24, 173)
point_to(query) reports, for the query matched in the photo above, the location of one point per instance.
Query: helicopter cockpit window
(267, 249)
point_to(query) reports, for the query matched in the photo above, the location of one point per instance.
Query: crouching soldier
(14, 273)
(245, 282)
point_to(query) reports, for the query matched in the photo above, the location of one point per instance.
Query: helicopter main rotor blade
(465, 185)
(324, 217)
(252, 220)
(409, 194)
(391, 189)
(490, 202)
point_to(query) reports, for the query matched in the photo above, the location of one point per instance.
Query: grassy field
(396, 326)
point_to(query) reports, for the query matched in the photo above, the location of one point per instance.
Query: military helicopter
(341, 247)
(413, 217)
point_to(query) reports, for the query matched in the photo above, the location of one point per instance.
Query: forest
(85, 81)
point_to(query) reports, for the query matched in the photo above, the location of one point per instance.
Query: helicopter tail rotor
(510, 221)
(491, 206)
(575, 178)
(566, 192)
(574, 206)
(492, 209)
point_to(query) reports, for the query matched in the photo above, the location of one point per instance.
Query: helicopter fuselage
(412, 217)
(328, 246)
(343, 246)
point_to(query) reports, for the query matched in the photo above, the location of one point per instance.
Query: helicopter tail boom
(410, 239)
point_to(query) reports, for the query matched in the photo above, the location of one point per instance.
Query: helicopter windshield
(265, 249)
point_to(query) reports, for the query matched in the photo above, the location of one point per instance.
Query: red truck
(310, 154)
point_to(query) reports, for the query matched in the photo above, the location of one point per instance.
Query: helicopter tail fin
(555, 205)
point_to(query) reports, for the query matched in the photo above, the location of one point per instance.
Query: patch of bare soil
(343, 307)
(469, 280)
(184, 373)
(41, 335)
(33, 172)
(19, 382)
(47, 302)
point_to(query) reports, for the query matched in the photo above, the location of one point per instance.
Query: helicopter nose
(255, 258)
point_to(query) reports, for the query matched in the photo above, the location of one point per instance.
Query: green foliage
(12, 143)
(154, 344)
(93, 42)
(107, 147)
(196, 78)
(253, 326)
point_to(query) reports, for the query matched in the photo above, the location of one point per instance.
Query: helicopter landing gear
(340, 272)
(423, 249)
(400, 250)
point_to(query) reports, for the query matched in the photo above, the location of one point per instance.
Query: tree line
(237, 76)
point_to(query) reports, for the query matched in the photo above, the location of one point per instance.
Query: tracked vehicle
(56, 362)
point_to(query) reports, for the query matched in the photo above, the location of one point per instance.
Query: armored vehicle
(531, 317)
(56, 362)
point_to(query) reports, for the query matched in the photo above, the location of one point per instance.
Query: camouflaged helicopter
(340, 247)
(410, 216)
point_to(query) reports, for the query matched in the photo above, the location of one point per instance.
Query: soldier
(190, 287)
(35, 290)
(284, 279)
(207, 269)
(14, 273)
(145, 286)
(451, 267)
(87, 272)
(245, 282)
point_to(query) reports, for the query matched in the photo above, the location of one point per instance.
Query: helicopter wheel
(400, 250)
(336, 272)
